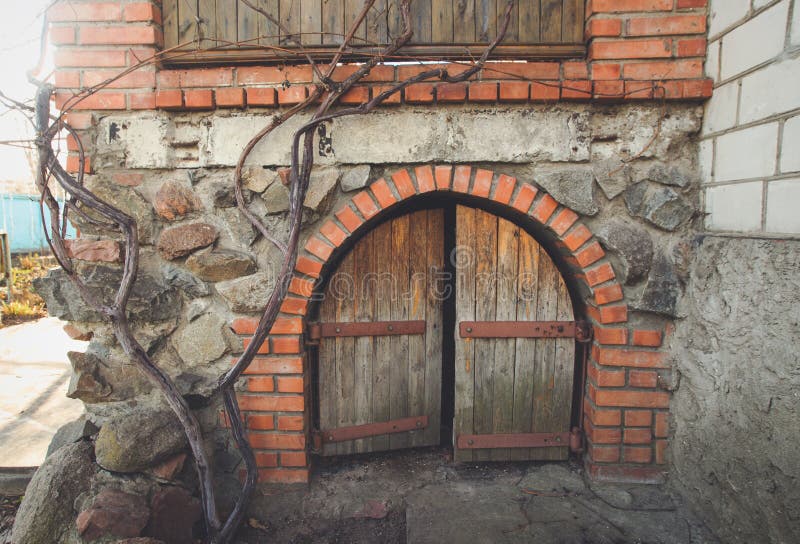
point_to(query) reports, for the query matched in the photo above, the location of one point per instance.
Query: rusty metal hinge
(367, 328)
(343, 434)
(524, 329)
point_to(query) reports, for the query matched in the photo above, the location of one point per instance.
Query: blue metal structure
(20, 216)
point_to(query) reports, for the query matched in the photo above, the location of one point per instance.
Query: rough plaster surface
(736, 413)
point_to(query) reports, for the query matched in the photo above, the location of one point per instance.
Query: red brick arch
(625, 414)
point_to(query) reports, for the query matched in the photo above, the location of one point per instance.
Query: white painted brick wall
(750, 142)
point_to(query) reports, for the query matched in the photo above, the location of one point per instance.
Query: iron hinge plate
(524, 329)
(344, 434)
(368, 328)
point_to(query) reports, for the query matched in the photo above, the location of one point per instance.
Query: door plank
(465, 311)
(351, 12)
(248, 25)
(170, 11)
(485, 20)
(442, 21)
(268, 32)
(563, 368)
(421, 19)
(311, 22)
(381, 376)
(394, 19)
(345, 350)
(464, 21)
(551, 21)
(399, 345)
(326, 372)
(572, 21)
(364, 352)
(187, 20)
(433, 322)
(333, 22)
(290, 19)
(508, 236)
(417, 305)
(227, 23)
(513, 32)
(377, 30)
(529, 18)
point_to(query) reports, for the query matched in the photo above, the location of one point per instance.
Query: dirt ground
(420, 497)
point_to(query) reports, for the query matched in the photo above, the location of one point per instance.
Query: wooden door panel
(509, 385)
(389, 275)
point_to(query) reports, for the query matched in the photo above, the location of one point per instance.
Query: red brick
(661, 452)
(461, 179)
(662, 424)
(611, 6)
(631, 49)
(403, 184)
(119, 35)
(522, 70)
(504, 190)
(545, 92)
(576, 237)
(277, 441)
(266, 460)
(142, 12)
(97, 101)
(576, 70)
(111, 79)
(602, 417)
(410, 70)
(514, 91)
(263, 349)
(67, 11)
(259, 75)
(483, 183)
(382, 193)
(451, 92)
(638, 418)
(318, 248)
(62, 35)
(607, 378)
(199, 99)
(292, 305)
(642, 378)
(483, 92)
(632, 399)
(637, 455)
(68, 79)
(128, 179)
(663, 26)
(392, 99)
(308, 266)
(639, 90)
(614, 314)
(563, 221)
(89, 58)
(293, 459)
(544, 208)
(603, 435)
(142, 101)
(687, 4)
(301, 287)
(80, 120)
(288, 384)
(651, 339)
(285, 344)
(611, 336)
(261, 384)
(590, 254)
(419, 93)
(677, 69)
(365, 205)
(381, 72)
(606, 28)
(609, 90)
(333, 233)
(606, 71)
(695, 47)
(356, 95)
(283, 476)
(275, 365)
(604, 454)
(263, 403)
(632, 358)
(576, 90)
(525, 196)
(425, 180)
(290, 423)
(230, 98)
(169, 99)
(293, 95)
(349, 219)
(608, 293)
(443, 174)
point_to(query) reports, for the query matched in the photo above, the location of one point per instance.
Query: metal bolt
(558, 439)
(330, 437)
(469, 329)
(470, 442)
(419, 423)
(391, 327)
(338, 330)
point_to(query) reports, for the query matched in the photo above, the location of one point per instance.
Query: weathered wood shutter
(520, 386)
(442, 28)
(373, 382)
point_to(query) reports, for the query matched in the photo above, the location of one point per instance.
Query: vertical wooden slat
(527, 291)
(363, 351)
(170, 16)
(377, 31)
(421, 19)
(529, 18)
(442, 21)
(227, 24)
(417, 305)
(465, 311)
(333, 22)
(384, 359)
(290, 19)
(351, 12)
(267, 30)
(513, 32)
(327, 390)
(311, 21)
(551, 21)
(485, 19)
(572, 21)
(505, 348)
(248, 26)
(345, 351)
(433, 325)
(563, 368)
(464, 21)
(394, 19)
(187, 20)
(399, 389)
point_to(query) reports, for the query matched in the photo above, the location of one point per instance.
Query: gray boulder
(356, 178)
(572, 188)
(661, 206)
(631, 244)
(220, 265)
(138, 439)
(47, 513)
(202, 340)
(248, 294)
(71, 432)
(113, 513)
(663, 288)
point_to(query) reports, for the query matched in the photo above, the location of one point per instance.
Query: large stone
(168, 470)
(180, 241)
(94, 250)
(661, 206)
(113, 514)
(138, 439)
(669, 175)
(127, 200)
(257, 178)
(201, 341)
(98, 376)
(355, 178)
(631, 244)
(572, 188)
(236, 226)
(186, 282)
(47, 513)
(663, 288)
(220, 265)
(174, 514)
(248, 294)
(276, 199)
(613, 177)
(320, 185)
(174, 200)
(86, 383)
(71, 432)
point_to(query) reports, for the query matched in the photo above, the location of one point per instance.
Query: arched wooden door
(380, 361)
